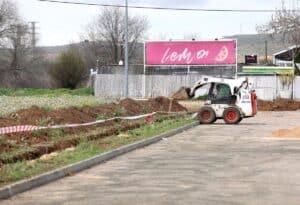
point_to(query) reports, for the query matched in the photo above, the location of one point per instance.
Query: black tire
(206, 115)
(239, 120)
(232, 115)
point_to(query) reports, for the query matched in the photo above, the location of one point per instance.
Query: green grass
(17, 171)
(45, 92)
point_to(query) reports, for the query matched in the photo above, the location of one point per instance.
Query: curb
(27, 184)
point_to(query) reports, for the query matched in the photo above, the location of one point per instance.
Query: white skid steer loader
(228, 99)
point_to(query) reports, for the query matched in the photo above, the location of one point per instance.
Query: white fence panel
(266, 87)
(108, 85)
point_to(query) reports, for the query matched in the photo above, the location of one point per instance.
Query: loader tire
(206, 115)
(232, 115)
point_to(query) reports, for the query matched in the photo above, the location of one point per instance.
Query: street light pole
(126, 48)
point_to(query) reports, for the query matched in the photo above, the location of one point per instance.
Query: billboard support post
(236, 60)
(144, 77)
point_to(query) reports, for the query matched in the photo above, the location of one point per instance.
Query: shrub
(69, 69)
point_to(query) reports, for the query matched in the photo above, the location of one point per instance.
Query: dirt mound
(28, 116)
(181, 94)
(104, 110)
(131, 107)
(293, 133)
(278, 105)
(165, 104)
(70, 115)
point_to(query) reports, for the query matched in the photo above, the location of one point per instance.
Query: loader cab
(216, 93)
(221, 94)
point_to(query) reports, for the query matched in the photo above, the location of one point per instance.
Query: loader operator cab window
(221, 93)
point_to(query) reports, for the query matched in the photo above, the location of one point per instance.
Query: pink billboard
(190, 52)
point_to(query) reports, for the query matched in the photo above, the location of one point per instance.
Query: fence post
(144, 86)
(293, 89)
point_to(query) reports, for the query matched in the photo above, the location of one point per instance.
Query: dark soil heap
(278, 105)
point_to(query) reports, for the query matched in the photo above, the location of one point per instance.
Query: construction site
(202, 112)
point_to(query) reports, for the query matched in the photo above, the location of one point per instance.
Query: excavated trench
(38, 143)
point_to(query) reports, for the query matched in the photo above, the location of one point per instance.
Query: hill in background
(249, 44)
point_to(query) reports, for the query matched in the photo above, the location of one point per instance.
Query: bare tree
(17, 56)
(18, 42)
(106, 34)
(8, 16)
(285, 23)
(15, 38)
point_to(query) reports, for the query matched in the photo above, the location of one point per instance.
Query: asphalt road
(211, 164)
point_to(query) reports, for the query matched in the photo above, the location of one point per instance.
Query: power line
(170, 8)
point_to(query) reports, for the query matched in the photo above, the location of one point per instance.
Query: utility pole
(126, 48)
(19, 31)
(33, 38)
(33, 33)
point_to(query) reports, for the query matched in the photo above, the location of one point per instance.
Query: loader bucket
(182, 94)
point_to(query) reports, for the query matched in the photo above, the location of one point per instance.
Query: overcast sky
(60, 24)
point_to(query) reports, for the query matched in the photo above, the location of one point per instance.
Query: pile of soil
(292, 133)
(278, 105)
(131, 107)
(165, 105)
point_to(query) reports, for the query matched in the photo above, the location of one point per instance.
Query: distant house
(286, 57)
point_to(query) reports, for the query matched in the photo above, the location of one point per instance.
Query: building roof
(287, 54)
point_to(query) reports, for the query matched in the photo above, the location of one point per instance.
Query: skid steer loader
(228, 99)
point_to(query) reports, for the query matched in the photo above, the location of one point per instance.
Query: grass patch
(17, 171)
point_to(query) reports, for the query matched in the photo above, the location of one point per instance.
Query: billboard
(190, 52)
(250, 59)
